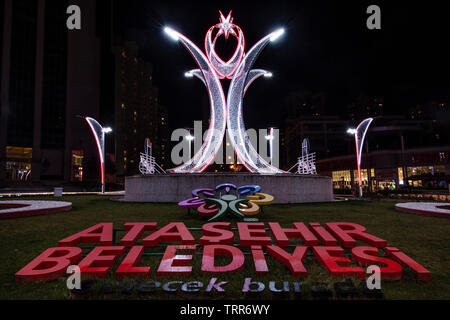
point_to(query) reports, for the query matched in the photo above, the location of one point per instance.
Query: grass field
(425, 239)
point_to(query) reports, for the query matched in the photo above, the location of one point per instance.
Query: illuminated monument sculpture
(226, 113)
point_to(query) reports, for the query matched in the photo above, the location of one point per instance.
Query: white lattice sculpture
(147, 163)
(306, 164)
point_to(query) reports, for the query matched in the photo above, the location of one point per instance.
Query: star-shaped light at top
(226, 25)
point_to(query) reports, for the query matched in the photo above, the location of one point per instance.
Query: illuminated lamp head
(277, 34)
(172, 33)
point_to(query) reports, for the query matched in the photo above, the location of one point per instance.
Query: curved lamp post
(360, 134)
(270, 138)
(99, 134)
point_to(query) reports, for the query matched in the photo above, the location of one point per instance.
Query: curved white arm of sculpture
(235, 121)
(216, 132)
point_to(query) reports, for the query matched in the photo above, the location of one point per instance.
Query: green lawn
(425, 239)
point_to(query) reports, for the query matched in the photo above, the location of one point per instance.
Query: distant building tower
(136, 108)
(365, 106)
(48, 76)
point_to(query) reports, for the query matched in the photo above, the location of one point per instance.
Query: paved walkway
(26, 208)
(435, 209)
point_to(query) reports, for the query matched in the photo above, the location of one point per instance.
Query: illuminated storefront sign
(18, 163)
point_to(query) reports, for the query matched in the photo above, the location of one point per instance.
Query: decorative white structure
(360, 134)
(226, 112)
(306, 164)
(99, 134)
(147, 163)
(270, 138)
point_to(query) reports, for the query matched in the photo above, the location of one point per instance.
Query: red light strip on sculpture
(98, 135)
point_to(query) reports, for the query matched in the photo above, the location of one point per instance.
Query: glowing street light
(270, 138)
(99, 134)
(189, 138)
(276, 34)
(360, 134)
(268, 75)
(172, 33)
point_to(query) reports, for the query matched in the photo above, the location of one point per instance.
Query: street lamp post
(104, 130)
(189, 138)
(353, 132)
(360, 134)
(99, 134)
(270, 138)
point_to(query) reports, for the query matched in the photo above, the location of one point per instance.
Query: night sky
(327, 48)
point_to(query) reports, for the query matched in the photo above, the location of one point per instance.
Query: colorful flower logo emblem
(226, 199)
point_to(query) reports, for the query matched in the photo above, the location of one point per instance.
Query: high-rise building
(49, 75)
(365, 106)
(327, 137)
(305, 104)
(163, 158)
(136, 108)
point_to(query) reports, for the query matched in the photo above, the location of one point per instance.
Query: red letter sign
(330, 256)
(175, 231)
(211, 251)
(292, 261)
(96, 264)
(282, 236)
(100, 233)
(173, 264)
(49, 265)
(248, 234)
(422, 273)
(324, 236)
(128, 269)
(216, 232)
(348, 232)
(135, 231)
(369, 255)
